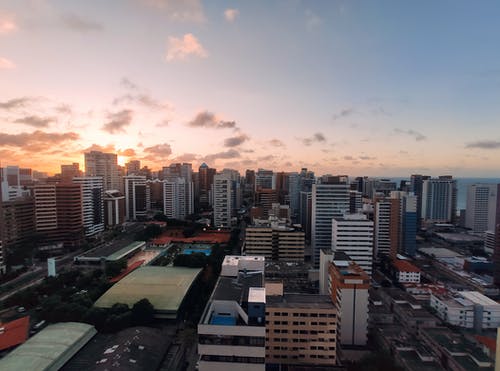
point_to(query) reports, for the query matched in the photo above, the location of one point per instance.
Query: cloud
(110, 148)
(186, 157)
(231, 14)
(348, 158)
(207, 119)
(365, 158)
(182, 11)
(418, 136)
(158, 151)
(484, 144)
(7, 24)
(181, 48)
(36, 141)
(77, 23)
(129, 152)
(312, 20)
(163, 123)
(126, 83)
(266, 158)
(344, 112)
(118, 121)
(6, 64)
(316, 138)
(276, 143)
(64, 109)
(15, 103)
(36, 121)
(229, 154)
(142, 99)
(235, 141)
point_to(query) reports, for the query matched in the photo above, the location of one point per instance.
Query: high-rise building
(175, 202)
(439, 200)
(386, 231)
(481, 207)
(133, 167)
(294, 195)
(265, 198)
(231, 332)
(330, 199)
(353, 235)
(44, 196)
(348, 286)
(137, 197)
(93, 204)
(68, 172)
(114, 208)
(205, 179)
(274, 241)
(184, 171)
(417, 187)
(301, 331)
(265, 179)
(305, 211)
(236, 195)
(222, 200)
(104, 165)
(17, 222)
(407, 229)
(71, 214)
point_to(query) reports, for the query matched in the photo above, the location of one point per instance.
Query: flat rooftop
(112, 250)
(301, 301)
(135, 348)
(236, 288)
(438, 252)
(459, 237)
(164, 287)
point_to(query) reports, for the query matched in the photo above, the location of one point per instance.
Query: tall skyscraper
(353, 235)
(137, 197)
(184, 171)
(481, 207)
(93, 204)
(104, 165)
(205, 179)
(407, 239)
(439, 200)
(222, 200)
(305, 211)
(68, 172)
(417, 187)
(330, 199)
(265, 179)
(133, 167)
(175, 203)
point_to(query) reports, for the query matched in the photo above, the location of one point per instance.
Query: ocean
(462, 185)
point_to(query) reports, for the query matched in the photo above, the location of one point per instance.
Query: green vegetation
(194, 260)
(114, 268)
(149, 232)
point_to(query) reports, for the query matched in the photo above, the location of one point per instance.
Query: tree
(142, 312)
(114, 268)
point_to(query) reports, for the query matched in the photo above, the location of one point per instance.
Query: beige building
(274, 240)
(300, 329)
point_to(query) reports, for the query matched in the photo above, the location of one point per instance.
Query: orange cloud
(181, 48)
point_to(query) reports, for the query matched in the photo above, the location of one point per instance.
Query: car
(21, 309)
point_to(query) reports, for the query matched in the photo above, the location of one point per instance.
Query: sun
(122, 160)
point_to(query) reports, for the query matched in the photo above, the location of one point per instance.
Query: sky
(377, 88)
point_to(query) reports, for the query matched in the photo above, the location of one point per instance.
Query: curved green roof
(50, 349)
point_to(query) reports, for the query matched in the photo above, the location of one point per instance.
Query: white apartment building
(175, 200)
(329, 200)
(353, 235)
(221, 190)
(92, 204)
(469, 309)
(480, 213)
(104, 165)
(232, 332)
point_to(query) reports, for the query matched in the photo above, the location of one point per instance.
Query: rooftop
(404, 266)
(50, 349)
(112, 250)
(135, 348)
(301, 301)
(164, 287)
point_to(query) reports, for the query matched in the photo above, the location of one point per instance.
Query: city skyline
(373, 88)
